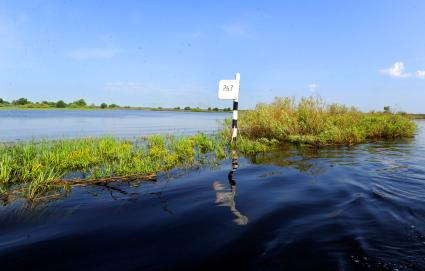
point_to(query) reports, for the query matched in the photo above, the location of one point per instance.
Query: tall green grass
(40, 164)
(312, 121)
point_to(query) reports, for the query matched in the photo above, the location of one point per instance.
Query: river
(346, 208)
(18, 125)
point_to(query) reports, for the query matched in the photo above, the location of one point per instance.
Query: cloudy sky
(172, 53)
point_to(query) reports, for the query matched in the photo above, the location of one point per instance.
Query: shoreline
(110, 109)
(415, 116)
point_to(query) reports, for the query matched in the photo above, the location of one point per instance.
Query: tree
(80, 102)
(103, 105)
(187, 108)
(113, 106)
(21, 101)
(209, 108)
(215, 109)
(60, 104)
(1, 101)
(387, 109)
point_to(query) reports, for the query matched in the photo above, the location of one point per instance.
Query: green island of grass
(32, 169)
(312, 121)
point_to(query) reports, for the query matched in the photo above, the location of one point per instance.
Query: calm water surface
(360, 208)
(52, 124)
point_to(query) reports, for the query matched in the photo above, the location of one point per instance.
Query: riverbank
(116, 108)
(81, 104)
(417, 116)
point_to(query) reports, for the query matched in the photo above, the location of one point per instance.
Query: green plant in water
(41, 164)
(311, 121)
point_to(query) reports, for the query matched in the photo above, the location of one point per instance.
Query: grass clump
(312, 121)
(41, 164)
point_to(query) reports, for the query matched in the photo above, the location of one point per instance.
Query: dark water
(52, 124)
(360, 208)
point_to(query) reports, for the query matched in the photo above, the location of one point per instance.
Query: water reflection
(226, 197)
(394, 157)
(304, 161)
(163, 201)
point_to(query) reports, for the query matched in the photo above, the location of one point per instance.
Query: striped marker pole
(235, 120)
(235, 112)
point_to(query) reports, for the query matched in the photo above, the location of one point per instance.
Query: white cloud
(131, 88)
(196, 35)
(236, 30)
(312, 87)
(9, 33)
(12, 41)
(94, 53)
(420, 74)
(155, 94)
(397, 71)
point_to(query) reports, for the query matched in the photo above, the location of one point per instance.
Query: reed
(312, 121)
(40, 164)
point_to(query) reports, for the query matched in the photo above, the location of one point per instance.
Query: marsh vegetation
(36, 167)
(42, 165)
(312, 121)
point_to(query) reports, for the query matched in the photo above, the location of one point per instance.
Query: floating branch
(85, 182)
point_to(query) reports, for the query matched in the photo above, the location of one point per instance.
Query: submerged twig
(85, 182)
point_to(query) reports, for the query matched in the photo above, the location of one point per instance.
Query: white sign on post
(228, 89)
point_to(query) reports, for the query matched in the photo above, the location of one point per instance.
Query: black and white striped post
(235, 112)
(229, 89)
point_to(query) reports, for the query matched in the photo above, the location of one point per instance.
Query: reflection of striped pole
(235, 166)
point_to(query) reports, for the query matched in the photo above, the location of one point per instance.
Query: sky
(363, 53)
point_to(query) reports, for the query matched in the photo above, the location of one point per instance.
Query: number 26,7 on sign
(228, 89)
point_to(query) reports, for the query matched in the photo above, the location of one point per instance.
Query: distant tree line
(196, 109)
(81, 103)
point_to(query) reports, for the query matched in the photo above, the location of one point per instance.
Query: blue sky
(172, 53)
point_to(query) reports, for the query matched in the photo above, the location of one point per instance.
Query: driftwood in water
(84, 182)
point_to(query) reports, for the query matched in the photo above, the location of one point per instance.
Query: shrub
(60, 104)
(80, 103)
(21, 101)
